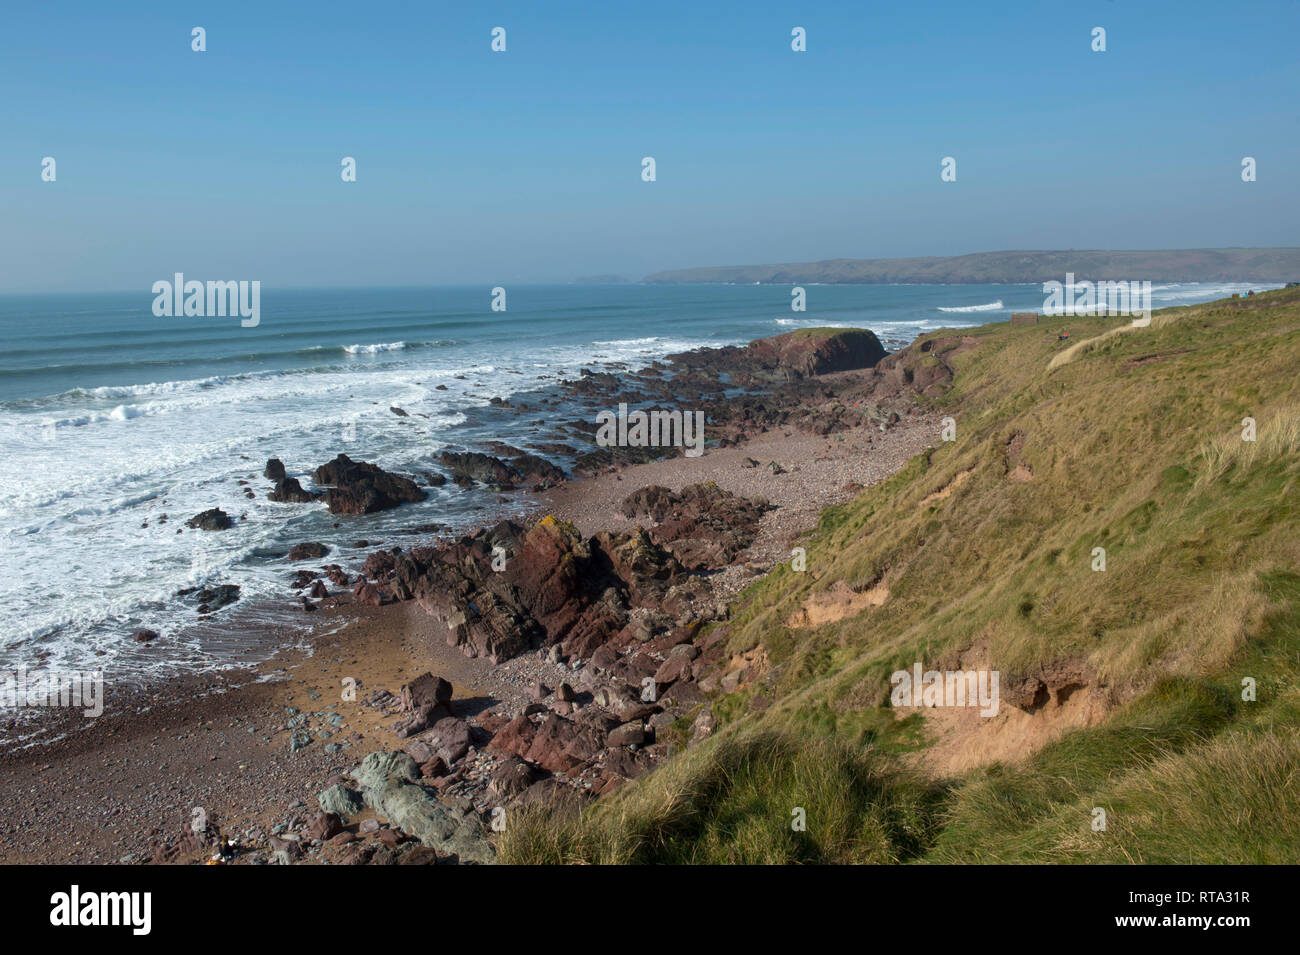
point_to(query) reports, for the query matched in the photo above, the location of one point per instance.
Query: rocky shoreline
(545, 662)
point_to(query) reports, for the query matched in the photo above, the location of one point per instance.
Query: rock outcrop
(289, 491)
(804, 353)
(506, 589)
(213, 519)
(705, 527)
(308, 550)
(389, 783)
(358, 487)
(470, 467)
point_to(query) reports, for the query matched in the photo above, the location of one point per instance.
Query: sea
(111, 417)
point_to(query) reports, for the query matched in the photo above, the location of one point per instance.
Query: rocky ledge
(507, 589)
(803, 353)
(357, 487)
(616, 618)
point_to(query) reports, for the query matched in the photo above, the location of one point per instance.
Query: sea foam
(989, 307)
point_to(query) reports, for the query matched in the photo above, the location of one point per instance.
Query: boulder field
(619, 613)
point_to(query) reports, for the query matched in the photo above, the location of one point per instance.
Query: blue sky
(476, 166)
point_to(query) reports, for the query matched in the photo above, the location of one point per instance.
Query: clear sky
(475, 166)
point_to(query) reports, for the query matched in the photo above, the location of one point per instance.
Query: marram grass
(1132, 447)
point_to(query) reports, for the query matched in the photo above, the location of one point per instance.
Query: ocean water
(111, 417)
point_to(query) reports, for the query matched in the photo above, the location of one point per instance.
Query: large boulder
(467, 467)
(556, 744)
(515, 737)
(308, 550)
(358, 487)
(213, 519)
(449, 739)
(388, 785)
(677, 666)
(327, 825)
(426, 690)
(628, 734)
(510, 778)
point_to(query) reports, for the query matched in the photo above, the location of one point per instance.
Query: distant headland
(1010, 268)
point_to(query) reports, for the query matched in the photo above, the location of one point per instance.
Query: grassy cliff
(1124, 689)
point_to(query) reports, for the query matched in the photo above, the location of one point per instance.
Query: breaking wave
(990, 307)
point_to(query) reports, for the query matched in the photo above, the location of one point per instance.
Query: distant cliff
(996, 268)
